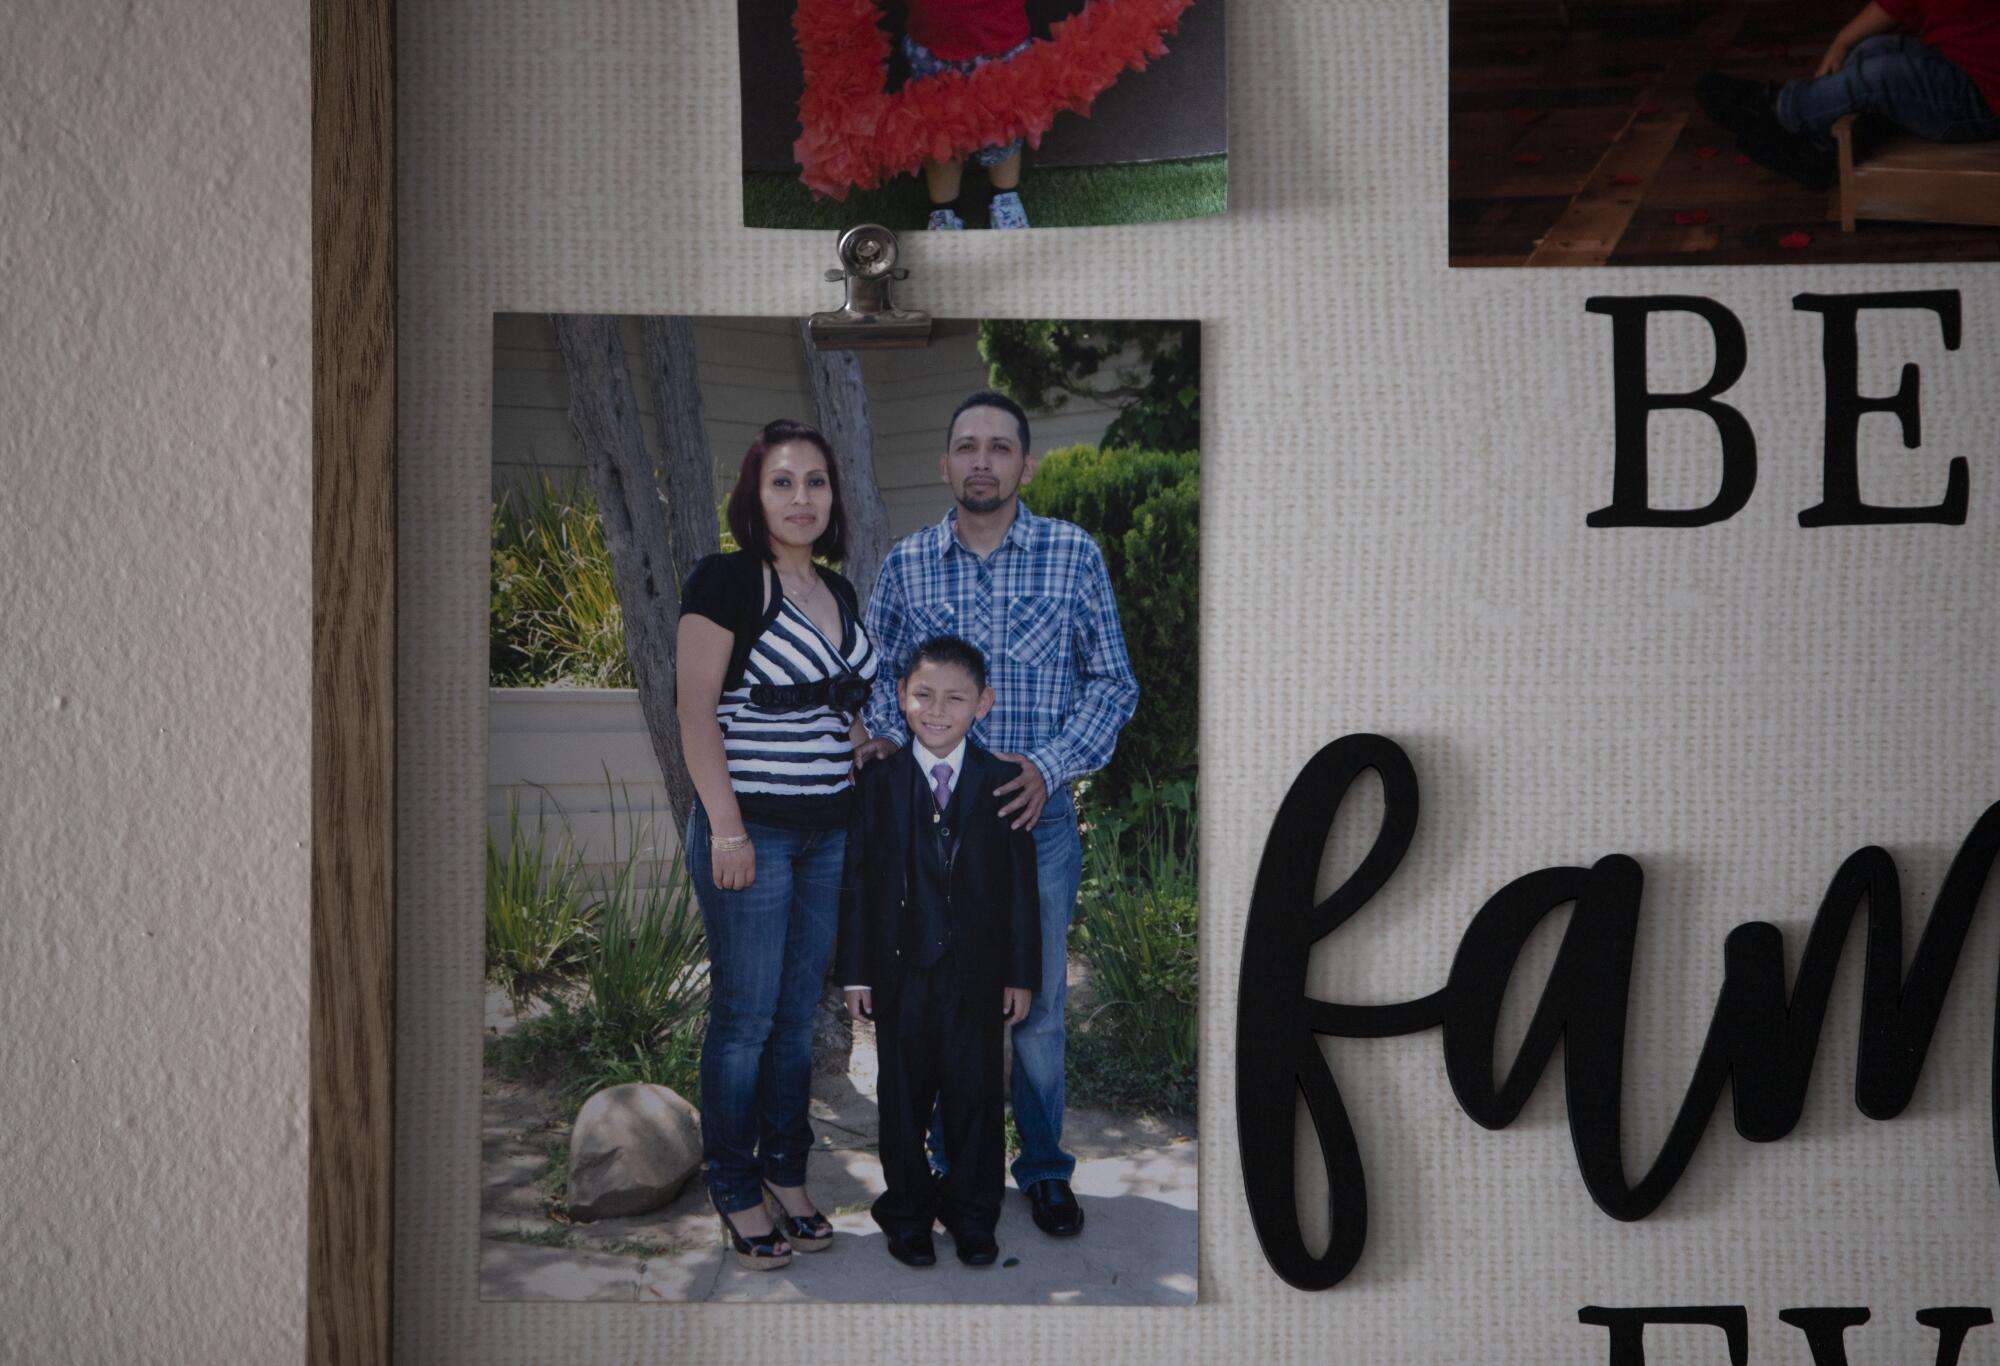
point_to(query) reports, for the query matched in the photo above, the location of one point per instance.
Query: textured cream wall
(154, 461)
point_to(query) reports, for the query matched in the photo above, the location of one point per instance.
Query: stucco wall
(154, 519)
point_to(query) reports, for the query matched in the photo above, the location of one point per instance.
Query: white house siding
(752, 370)
(580, 756)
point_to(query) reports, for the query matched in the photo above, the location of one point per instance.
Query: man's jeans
(1898, 79)
(768, 949)
(1039, 1039)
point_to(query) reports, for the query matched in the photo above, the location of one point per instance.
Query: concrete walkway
(1136, 1180)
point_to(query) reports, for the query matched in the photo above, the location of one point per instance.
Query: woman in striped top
(773, 669)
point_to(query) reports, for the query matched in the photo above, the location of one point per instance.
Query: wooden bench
(1916, 181)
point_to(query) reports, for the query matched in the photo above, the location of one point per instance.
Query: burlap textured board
(1399, 463)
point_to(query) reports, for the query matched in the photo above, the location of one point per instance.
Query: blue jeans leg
(1896, 78)
(1039, 1039)
(764, 942)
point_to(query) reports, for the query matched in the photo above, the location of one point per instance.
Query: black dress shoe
(976, 1247)
(1743, 107)
(1056, 1211)
(912, 1249)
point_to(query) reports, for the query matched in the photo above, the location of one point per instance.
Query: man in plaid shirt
(1033, 593)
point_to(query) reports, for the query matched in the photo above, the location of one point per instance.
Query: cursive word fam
(1761, 1039)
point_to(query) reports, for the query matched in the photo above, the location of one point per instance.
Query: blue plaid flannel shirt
(1041, 608)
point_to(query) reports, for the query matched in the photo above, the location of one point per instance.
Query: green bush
(554, 605)
(633, 1003)
(1143, 508)
(536, 922)
(1138, 928)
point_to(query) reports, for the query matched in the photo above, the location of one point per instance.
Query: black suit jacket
(995, 905)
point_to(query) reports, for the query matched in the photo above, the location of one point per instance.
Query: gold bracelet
(726, 842)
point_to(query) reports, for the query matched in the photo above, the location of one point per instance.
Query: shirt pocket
(1037, 631)
(932, 619)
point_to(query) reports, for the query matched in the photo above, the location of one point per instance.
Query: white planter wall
(579, 755)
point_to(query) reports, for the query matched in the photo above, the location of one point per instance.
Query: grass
(536, 923)
(1056, 197)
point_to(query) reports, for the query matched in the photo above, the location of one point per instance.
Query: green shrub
(1138, 928)
(554, 605)
(634, 1003)
(1143, 508)
(647, 979)
(536, 922)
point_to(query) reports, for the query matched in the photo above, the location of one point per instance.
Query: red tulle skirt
(856, 135)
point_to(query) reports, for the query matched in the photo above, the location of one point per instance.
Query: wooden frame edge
(351, 1144)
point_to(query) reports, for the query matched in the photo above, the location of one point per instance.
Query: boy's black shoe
(912, 1249)
(1056, 1211)
(1745, 108)
(1749, 109)
(1794, 155)
(975, 1247)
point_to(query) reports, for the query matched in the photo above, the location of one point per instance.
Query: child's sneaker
(944, 220)
(1007, 211)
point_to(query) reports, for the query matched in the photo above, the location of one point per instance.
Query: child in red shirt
(962, 36)
(1930, 67)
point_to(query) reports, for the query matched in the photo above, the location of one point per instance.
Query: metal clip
(869, 320)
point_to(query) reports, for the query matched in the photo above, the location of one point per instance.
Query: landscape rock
(631, 1150)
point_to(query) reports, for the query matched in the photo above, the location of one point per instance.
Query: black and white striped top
(790, 765)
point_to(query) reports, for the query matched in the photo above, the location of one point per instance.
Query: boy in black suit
(940, 945)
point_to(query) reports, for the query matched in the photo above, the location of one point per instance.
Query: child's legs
(905, 1091)
(784, 1080)
(1007, 174)
(941, 180)
(1896, 78)
(969, 1112)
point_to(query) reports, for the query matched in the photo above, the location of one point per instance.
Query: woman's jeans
(768, 949)
(1896, 78)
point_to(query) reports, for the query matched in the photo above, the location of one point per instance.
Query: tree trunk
(687, 468)
(842, 404)
(644, 566)
(841, 401)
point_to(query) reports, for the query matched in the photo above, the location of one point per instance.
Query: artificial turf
(1055, 197)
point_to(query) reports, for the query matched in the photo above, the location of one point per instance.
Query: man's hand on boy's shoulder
(1014, 1003)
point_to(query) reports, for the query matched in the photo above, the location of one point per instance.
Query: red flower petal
(1688, 218)
(1527, 158)
(1649, 108)
(1793, 241)
(1742, 160)
(1705, 152)
(1624, 178)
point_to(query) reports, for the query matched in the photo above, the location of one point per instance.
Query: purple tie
(941, 776)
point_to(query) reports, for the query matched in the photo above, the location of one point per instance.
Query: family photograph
(841, 911)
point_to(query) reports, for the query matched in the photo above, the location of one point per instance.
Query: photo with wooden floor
(1576, 140)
